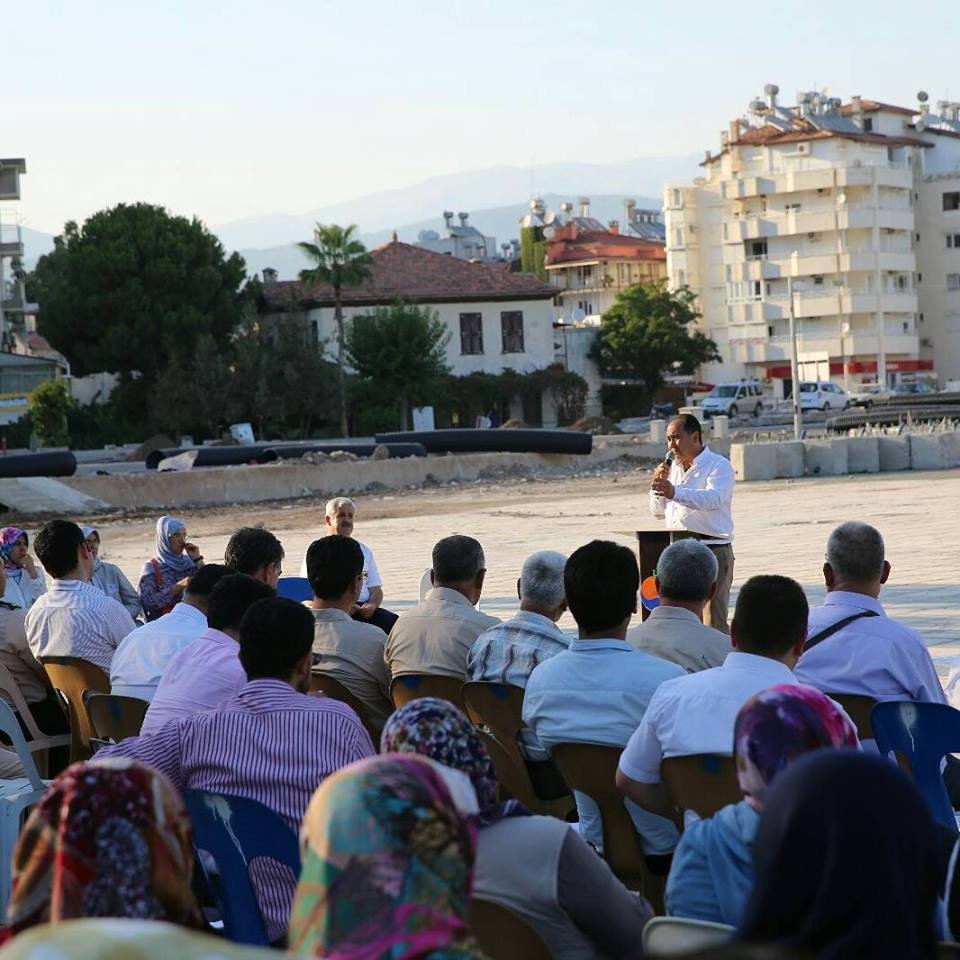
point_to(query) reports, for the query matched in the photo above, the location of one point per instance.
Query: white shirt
(369, 568)
(696, 713)
(703, 496)
(144, 654)
(76, 619)
(22, 591)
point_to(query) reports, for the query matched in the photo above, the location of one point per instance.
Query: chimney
(584, 206)
(614, 226)
(447, 218)
(629, 208)
(464, 217)
(733, 131)
(269, 275)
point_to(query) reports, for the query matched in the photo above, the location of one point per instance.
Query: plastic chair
(331, 687)
(592, 769)
(498, 707)
(412, 686)
(75, 678)
(701, 782)
(235, 831)
(40, 742)
(859, 709)
(16, 796)
(676, 936)
(114, 717)
(920, 735)
(295, 588)
(502, 934)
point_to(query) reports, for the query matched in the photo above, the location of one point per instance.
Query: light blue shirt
(597, 692)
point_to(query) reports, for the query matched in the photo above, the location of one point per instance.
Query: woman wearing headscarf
(712, 870)
(109, 577)
(846, 862)
(387, 860)
(110, 838)
(25, 579)
(535, 866)
(165, 576)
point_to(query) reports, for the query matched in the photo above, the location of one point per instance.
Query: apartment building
(848, 208)
(13, 299)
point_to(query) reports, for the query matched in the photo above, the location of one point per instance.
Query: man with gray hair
(436, 636)
(686, 578)
(852, 646)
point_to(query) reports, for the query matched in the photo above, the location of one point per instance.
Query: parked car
(867, 394)
(822, 395)
(729, 399)
(919, 388)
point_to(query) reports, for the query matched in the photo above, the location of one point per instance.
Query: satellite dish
(549, 217)
(923, 96)
(549, 232)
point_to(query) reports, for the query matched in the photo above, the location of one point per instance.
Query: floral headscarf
(181, 562)
(779, 724)
(436, 729)
(110, 838)
(387, 866)
(9, 538)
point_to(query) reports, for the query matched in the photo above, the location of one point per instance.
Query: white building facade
(850, 207)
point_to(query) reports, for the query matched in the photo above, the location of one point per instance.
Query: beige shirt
(677, 635)
(436, 636)
(15, 655)
(352, 652)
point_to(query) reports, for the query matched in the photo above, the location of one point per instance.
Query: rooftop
(602, 245)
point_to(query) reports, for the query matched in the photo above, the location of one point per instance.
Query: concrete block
(894, 453)
(926, 452)
(825, 458)
(790, 458)
(863, 455)
(720, 426)
(754, 461)
(658, 432)
(950, 442)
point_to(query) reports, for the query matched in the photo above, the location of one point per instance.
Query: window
(818, 281)
(471, 333)
(867, 124)
(792, 208)
(953, 241)
(757, 250)
(953, 281)
(511, 329)
(951, 201)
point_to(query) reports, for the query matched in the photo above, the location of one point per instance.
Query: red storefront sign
(859, 366)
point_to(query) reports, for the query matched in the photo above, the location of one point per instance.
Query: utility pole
(794, 374)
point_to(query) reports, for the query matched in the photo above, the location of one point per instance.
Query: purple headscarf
(9, 537)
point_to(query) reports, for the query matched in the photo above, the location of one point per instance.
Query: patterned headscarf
(779, 724)
(387, 866)
(9, 537)
(110, 838)
(436, 729)
(176, 561)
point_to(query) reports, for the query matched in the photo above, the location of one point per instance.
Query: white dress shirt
(369, 568)
(144, 654)
(696, 713)
(702, 499)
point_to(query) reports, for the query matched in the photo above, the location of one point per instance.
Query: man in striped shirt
(271, 742)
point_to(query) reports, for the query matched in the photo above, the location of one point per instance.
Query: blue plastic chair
(921, 735)
(235, 831)
(294, 588)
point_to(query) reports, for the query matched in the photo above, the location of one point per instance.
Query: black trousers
(384, 619)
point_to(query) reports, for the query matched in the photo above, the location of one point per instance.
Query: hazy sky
(227, 110)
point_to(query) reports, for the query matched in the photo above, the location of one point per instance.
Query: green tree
(339, 260)
(400, 351)
(646, 332)
(49, 405)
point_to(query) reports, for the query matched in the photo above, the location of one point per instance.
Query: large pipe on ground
(50, 463)
(469, 440)
(359, 449)
(233, 455)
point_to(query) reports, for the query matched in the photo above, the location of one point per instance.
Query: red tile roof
(770, 135)
(404, 271)
(875, 106)
(601, 245)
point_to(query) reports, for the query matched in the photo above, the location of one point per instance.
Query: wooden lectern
(650, 544)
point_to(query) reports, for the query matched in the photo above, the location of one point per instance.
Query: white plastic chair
(16, 796)
(677, 936)
(39, 741)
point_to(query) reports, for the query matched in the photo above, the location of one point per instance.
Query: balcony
(10, 171)
(14, 298)
(11, 241)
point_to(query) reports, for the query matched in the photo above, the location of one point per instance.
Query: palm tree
(340, 260)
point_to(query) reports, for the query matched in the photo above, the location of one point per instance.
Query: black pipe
(53, 463)
(469, 440)
(292, 452)
(213, 456)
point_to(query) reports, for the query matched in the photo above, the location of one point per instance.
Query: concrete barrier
(825, 458)
(894, 453)
(658, 431)
(720, 427)
(951, 449)
(790, 459)
(863, 455)
(754, 461)
(926, 452)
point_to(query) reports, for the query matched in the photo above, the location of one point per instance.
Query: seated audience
(143, 655)
(257, 553)
(696, 713)
(852, 645)
(165, 576)
(346, 649)
(271, 741)
(109, 577)
(598, 690)
(73, 618)
(436, 636)
(338, 518)
(110, 838)
(207, 671)
(686, 580)
(388, 856)
(535, 866)
(712, 870)
(846, 862)
(25, 580)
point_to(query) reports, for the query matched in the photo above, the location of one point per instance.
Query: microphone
(669, 458)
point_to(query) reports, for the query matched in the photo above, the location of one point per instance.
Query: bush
(49, 405)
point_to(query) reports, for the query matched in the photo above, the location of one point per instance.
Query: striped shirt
(268, 743)
(76, 619)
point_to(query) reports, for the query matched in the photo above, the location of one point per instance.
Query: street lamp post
(794, 373)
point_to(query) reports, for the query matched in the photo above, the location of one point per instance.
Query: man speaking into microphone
(693, 490)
